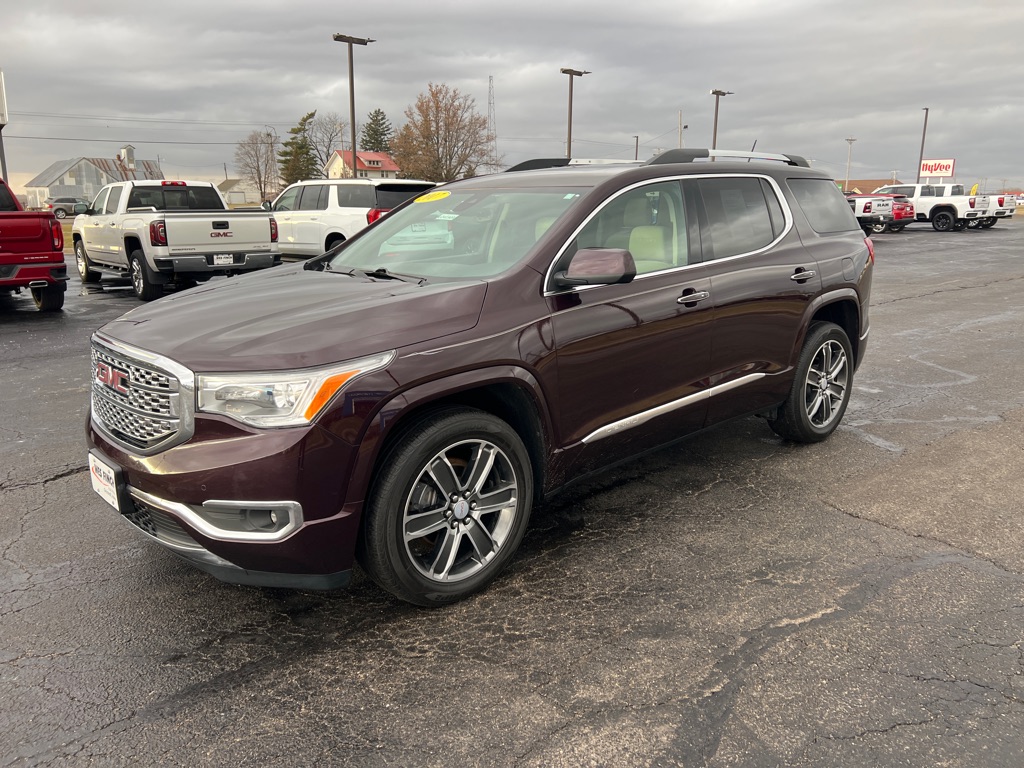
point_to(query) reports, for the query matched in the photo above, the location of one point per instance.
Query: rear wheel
(143, 283)
(85, 270)
(821, 388)
(448, 509)
(48, 299)
(60, 213)
(896, 227)
(943, 221)
(332, 241)
(960, 225)
(988, 223)
(879, 228)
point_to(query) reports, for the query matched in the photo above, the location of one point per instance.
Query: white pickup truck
(1001, 206)
(162, 232)
(946, 206)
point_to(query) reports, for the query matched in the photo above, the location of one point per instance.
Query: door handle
(693, 298)
(802, 274)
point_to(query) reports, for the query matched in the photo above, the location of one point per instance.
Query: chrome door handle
(693, 298)
(803, 275)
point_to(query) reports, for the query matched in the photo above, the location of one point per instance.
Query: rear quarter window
(355, 195)
(393, 195)
(824, 206)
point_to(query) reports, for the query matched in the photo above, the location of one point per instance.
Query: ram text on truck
(162, 232)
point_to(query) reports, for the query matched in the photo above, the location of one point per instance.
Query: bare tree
(444, 139)
(326, 134)
(256, 161)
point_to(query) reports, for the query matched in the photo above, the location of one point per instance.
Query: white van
(314, 216)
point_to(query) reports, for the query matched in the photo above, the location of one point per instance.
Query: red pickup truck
(31, 253)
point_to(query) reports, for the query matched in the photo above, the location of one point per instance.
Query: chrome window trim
(783, 202)
(644, 416)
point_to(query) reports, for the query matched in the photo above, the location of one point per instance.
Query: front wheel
(145, 287)
(988, 223)
(960, 225)
(48, 299)
(821, 387)
(85, 271)
(943, 221)
(448, 509)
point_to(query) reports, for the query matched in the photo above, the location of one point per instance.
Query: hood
(289, 317)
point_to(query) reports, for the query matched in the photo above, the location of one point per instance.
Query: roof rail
(689, 155)
(561, 162)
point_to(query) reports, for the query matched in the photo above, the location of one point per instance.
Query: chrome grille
(146, 413)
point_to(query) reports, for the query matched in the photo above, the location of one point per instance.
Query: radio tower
(492, 127)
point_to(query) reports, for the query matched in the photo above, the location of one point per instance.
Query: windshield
(452, 233)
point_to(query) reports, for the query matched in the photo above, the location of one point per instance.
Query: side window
(738, 217)
(649, 222)
(113, 200)
(927, 191)
(100, 201)
(824, 206)
(355, 196)
(288, 201)
(310, 199)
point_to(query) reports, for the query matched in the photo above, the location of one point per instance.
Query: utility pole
(636, 151)
(849, 155)
(718, 93)
(681, 128)
(924, 132)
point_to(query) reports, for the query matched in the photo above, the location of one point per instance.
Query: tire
(60, 213)
(879, 228)
(896, 227)
(821, 387)
(85, 271)
(142, 278)
(48, 299)
(943, 221)
(988, 222)
(974, 224)
(430, 478)
(332, 241)
(960, 225)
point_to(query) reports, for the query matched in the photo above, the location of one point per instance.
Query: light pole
(718, 94)
(340, 38)
(924, 131)
(571, 73)
(636, 150)
(849, 155)
(681, 128)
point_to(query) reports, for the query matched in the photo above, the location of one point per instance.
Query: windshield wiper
(383, 274)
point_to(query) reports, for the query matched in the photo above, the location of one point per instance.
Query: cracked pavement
(732, 600)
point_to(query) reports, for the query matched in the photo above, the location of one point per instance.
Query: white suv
(314, 216)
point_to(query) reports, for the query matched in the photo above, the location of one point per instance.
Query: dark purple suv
(407, 398)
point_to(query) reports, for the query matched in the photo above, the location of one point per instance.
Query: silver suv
(314, 216)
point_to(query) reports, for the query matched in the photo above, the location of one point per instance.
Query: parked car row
(948, 207)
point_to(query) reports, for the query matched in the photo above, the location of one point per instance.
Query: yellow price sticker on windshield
(432, 197)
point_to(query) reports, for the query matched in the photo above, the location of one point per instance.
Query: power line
(152, 119)
(128, 141)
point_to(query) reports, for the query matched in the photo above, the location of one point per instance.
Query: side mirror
(597, 266)
(80, 208)
(265, 205)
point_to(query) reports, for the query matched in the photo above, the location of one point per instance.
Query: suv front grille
(134, 403)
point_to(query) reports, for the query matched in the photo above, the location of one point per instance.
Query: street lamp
(571, 73)
(920, 160)
(849, 155)
(340, 38)
(636, 150)
(718, 94)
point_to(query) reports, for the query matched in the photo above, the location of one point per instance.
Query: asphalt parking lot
(733, 600)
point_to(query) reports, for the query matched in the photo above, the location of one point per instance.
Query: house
(866, 186)
(369, 165)
(84, 176)
(239, 192)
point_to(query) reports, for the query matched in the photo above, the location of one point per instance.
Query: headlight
(280, 399)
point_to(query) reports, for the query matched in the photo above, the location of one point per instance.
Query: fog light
(264, 519)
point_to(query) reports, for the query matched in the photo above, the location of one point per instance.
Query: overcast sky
(184, 81)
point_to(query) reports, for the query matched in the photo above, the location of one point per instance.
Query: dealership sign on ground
(940, 168)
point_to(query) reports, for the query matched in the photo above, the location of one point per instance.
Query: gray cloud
(806, 75)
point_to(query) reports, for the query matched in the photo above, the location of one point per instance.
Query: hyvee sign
(942, 168)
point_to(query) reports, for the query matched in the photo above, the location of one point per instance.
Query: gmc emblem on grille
(110, 377)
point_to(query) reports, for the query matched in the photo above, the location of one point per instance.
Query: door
(632, 359)
(110, 231)
(93, 228)
(762, 282)
(284, 213)
(309, 232)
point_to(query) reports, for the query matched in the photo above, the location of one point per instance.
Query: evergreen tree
(377, 134)
(297, 159)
